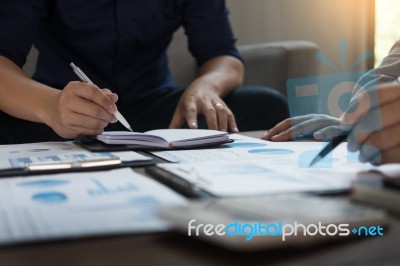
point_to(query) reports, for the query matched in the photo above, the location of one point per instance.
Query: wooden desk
(175, 249)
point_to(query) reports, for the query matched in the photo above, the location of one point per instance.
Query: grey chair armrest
(272, 64)
(30, 65)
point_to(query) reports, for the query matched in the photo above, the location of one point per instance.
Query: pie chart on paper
(245, 145)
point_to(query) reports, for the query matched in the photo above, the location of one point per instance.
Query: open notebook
(166, 138)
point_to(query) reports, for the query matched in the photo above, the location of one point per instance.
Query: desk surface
(175, 249)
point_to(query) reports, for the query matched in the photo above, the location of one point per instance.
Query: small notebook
(165, 138)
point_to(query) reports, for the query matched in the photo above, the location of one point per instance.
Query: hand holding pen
(85, 78)
(80, 108)
(371, 126)
(375, 125)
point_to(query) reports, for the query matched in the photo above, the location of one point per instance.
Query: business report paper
(14, 156)
(75, 205)
(251, 166)
(247, 148)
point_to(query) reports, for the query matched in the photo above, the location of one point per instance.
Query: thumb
(327, 133)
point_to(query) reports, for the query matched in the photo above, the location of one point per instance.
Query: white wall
(324, 22)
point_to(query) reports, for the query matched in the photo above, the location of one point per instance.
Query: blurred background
(364, 24)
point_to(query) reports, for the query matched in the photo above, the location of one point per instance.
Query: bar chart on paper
(102, 189)
(17, 156)
(74, 205)
(22, 161)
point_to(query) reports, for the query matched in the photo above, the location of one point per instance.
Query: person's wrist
(203, 84)
(48, 108)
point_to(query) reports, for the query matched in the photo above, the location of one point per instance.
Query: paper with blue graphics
(14, 156)
(253, 166)
(81, 204)
(248, 148)
(242, 148)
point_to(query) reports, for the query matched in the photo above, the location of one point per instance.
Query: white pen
(82, 76)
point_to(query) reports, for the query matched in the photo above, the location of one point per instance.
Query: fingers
(300, 126)
(389, 156)
(113, 97)
(92, 93)
(279, 128)
(285, 125)
(217, 115)
(381, 147)
(328, 133)
(187, 113)
(73, 125)
(369, 100)
(177, 120)
(83, 108)
(222, 117)
(376, 135)
(389, 93)
(88, 123)
(233, 128)
(369, 152)
(357, 110)
(75, 97)
(376, 120)
(210, 116)
(308, 127)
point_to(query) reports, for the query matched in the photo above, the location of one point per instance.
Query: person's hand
(82, 108)
(375, 125)
(200, 98)
(322, 127)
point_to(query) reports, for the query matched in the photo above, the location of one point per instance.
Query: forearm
(387, 71)
(223, 73)
(22, 97)
(80, 108)
(390, 66)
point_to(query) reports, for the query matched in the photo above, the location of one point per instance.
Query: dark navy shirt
(119, 44)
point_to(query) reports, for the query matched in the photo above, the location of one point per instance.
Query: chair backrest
(181, 63)
(30, 64)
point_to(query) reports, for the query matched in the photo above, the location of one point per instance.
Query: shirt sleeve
(19, 20)
(208, 29)
(387, 71)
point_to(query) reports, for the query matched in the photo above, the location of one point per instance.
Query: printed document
(75, 205)
(14, 156)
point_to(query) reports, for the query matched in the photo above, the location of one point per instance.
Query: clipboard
(73, 166)
(94, 145)
(177, 183)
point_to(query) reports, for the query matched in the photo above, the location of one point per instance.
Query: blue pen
(329, 147)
